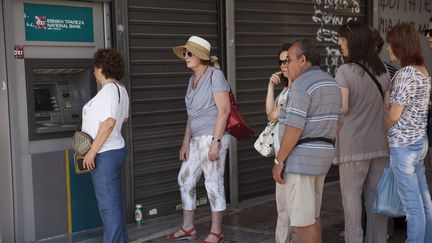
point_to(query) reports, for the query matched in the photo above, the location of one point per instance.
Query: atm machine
(50, 78)
(57, 89)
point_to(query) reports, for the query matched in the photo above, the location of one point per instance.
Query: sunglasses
(427, 31)
(285, 62)
(288, 60)
(187, 54)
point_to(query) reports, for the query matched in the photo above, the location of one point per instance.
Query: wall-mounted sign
(18, 52)
(45, 22)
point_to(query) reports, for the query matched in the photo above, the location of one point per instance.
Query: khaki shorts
(303, 198)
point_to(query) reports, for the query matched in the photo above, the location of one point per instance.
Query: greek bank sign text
(45, 22)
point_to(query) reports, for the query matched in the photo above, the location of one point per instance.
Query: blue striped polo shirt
(314, 107)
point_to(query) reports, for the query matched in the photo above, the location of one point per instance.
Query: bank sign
(45, 22)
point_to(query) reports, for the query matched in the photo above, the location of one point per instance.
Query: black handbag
(79, 165)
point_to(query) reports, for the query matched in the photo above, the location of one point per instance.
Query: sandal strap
(219, 236)
(187, 232)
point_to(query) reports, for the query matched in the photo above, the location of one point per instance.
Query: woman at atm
(103, 117)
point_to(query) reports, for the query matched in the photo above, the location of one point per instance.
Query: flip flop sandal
(186, 236)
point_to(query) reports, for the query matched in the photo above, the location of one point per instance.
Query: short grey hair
(309, 50)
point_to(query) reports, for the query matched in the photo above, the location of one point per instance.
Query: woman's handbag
(265, 142)
(236, 124)
(79, 165)
(387, 201)
(81, 142)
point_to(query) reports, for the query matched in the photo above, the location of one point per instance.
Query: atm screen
(42, 100)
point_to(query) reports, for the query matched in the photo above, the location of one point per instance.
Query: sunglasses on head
(187, 54)
(427, 31)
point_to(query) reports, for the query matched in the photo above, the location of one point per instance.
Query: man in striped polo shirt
(307, 144)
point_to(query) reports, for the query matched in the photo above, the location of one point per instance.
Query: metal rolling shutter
(261, 27)
(158, 85)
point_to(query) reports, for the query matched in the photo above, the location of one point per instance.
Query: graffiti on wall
(331, 14)
(396, 11)
(416, 12)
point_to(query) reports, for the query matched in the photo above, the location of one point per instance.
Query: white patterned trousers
(198, 162)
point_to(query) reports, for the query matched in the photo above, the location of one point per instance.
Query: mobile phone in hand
(283, 79)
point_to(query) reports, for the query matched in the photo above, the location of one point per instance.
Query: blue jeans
(107, 184)
(409, 173)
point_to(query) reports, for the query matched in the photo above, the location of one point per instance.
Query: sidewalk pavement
(255, 221)
(248, 222)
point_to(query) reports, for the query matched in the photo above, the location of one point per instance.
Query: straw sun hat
(199, 47)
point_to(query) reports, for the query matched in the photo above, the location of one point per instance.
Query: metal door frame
(120, 41)
(7, 229)
(231, 76)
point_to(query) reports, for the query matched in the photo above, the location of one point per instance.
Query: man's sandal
(187, 235)
(220, 237)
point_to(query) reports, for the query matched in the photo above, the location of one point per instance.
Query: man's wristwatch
(276, 161)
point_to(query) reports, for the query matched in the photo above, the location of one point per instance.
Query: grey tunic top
(362, 135)
(200, 104)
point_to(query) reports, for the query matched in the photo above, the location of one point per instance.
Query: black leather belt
(307, 140)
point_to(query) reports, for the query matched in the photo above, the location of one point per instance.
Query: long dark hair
(283, 48)
(361, 46)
